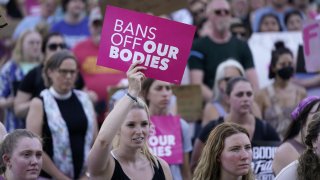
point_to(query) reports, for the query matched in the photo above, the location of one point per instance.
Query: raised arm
(99, 156)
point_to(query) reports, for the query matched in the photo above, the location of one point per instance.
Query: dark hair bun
(279, 45)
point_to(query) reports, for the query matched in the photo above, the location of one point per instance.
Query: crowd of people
(59, 121)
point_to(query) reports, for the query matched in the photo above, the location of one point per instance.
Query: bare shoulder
(36, 103)
(285, 150)
(261, 98)
(262, 92)
(209, 113)
(166, 169)
(284, 155)
(301, 91)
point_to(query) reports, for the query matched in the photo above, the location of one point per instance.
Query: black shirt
(73, 113)
(119, 174)
(262, 131)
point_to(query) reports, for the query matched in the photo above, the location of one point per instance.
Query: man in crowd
(208, 52)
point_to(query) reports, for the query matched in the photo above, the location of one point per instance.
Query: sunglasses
(54, 46)
(221, 12)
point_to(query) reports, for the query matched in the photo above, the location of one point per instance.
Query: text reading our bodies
(128, 36)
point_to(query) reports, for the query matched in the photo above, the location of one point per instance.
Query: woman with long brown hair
(227, 155)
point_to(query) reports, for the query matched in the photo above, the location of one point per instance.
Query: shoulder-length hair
(209, 166)
(54, 63)
(17, 53)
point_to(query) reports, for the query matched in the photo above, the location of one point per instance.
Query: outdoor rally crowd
(59, 122)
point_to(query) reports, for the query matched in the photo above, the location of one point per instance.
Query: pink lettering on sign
(311, 44)
(166, 141)
(161, 45)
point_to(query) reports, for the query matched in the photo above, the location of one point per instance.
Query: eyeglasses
(54, 46)
(65, 72)
(221, 12)
(241, 94)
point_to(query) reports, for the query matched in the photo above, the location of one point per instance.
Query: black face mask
(285, 73)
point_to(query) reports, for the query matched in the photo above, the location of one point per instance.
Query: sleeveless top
(219, 108)
(119, 174)
(279, 117)
(62, 137)
(297, 145)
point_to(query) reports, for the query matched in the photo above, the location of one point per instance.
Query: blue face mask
(26, 67)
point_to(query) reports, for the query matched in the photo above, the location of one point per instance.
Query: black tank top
(118, 173)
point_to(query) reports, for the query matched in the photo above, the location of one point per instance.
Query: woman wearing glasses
(33, 83)
(64, 118)
(240, 97)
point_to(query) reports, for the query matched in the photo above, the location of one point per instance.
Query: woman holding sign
(227, 155)
(157, 95)
(126, 127)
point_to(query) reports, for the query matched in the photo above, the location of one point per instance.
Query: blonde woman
(129, 122)
(26, 55)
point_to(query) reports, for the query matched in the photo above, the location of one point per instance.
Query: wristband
(133, 98)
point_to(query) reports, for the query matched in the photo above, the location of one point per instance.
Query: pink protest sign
(165, 140)
(311, 42)
(161, 45)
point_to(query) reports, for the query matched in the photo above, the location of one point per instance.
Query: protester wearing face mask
(277, 100)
